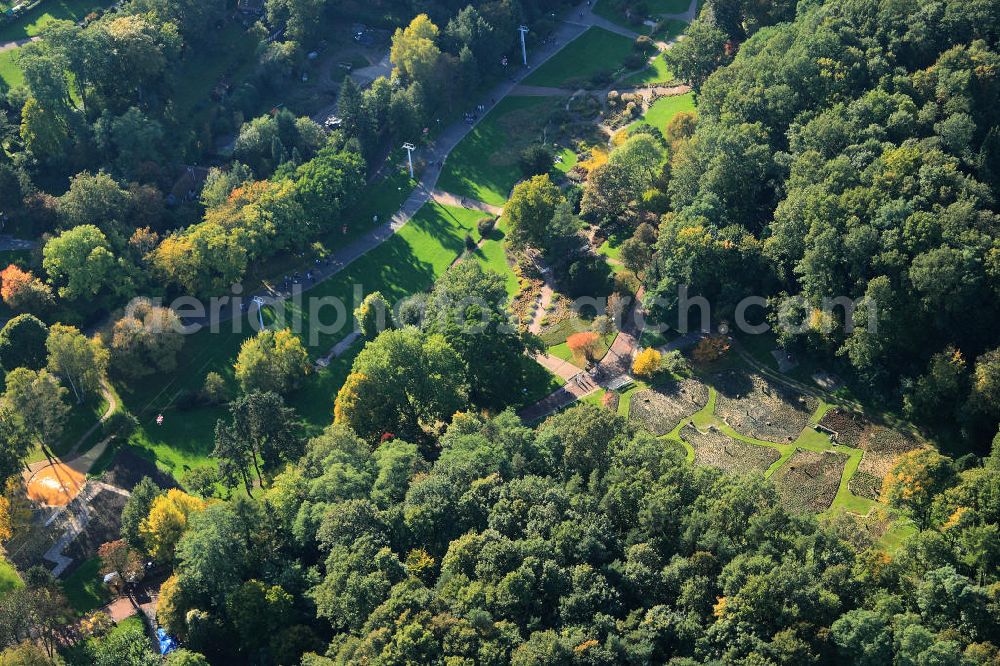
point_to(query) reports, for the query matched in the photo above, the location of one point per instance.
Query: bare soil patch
(882, 448)
(865, 484)
(104, 525)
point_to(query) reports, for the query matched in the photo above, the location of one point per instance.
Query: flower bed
(717, 449)
(659, 410)
(762, 409)
(848, 426)
(809, 480)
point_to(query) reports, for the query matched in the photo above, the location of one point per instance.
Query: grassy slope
(657, 72)
(84, 588)
(665, 108)
(9, 578)
(491, 256)
(594, 51)
(11, 75)
(484, 165)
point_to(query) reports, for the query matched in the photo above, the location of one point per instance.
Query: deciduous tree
(81, 361)
(24, 292)
(22, 343)
(272, 361)
(166, 522)
(530, 209)
(38, 401)
(647, 363)
(402, 382)
(146, 339)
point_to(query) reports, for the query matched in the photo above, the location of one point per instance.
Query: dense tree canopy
(531, 546)
(846, 154)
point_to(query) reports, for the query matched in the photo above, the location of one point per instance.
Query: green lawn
(669, 30)
(594, 51)
(657, 72)
(9, 578)
(79, 653)
(661, 7)
(11, 75)
(612, 247)
(85, 589)
(665, 108)
(31, 23)
(483, 165)
(491, 256)
(654, 8)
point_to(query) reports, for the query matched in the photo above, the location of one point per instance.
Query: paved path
(77, 516)
(448, 199)
(585, 16)
(9, 243)
(616, 363)
(435, 154)
(544, 300)
(557, 366)
(18, 43)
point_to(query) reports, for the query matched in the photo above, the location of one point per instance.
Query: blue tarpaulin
(167, 644)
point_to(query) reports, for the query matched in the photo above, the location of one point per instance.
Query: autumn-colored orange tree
(711, 349)
(647, 363)
(117, 557)
(585, 346)
(24, 292)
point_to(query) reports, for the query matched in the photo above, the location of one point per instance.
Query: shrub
(602, 325)
(535, 160)
(470, 242)
(711, 349)
(120, 423)
(643, 44)
(214, 391)
(635, 60)
(485, 226)
(673, 362)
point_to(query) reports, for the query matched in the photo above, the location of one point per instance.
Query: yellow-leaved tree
(914, 481)
(166, 522)
(647, 363)
(272, 361)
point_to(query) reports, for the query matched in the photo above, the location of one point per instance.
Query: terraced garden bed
(660, 410)
(865, 484)
(809, 480)
(759, 408)
(848, 425)
(883, 447)
(717, 449)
